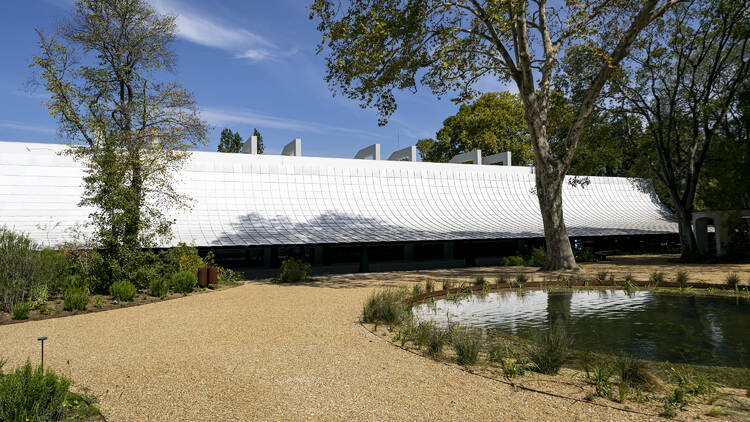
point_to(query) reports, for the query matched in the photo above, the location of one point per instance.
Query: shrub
(466, 344)
(38, 296)
(481, 281)
(587, 256)
(549, 355)
(429, 286)
(503, 279)
(512, 365)
(733, 280)
(436, 339)
(514, 261)
(420, 334)
(521, 279)
(31, 394)
(385, 306)
(158, 287)
(656, 278)
(634, 372)
(98, 302)
(692, 383)
(601, 276)
(293, 270)
(28, 394)
(416, 290)
(681, 279)
(21, 310)
(229, 277)
(122, 291)
(629, 284)
(600, 378)
(537, 258)
(142, 277)
(183, 282)
(623, 389)
(75, 299)
(19, 267)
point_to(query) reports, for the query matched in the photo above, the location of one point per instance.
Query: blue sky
(249, 64)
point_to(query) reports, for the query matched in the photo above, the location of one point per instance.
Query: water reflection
(700, 330)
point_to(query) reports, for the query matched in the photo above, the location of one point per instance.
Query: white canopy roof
(243, 199)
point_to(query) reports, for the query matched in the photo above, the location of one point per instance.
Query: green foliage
(732, 280)
(622, 390)
(549, 355)
(429, 286)
(521, 279)
(493, 123)
(514, 261)
(142, 277)
(191, 263)
(385, 307)
(436, 339)
(537, 258)
(586, 256)
(634, 372)
(28, 394)
(183, 282)
(629, 284)
(228, 276)
(600, 378)
(682, 279)
(691, 383)
(38, 296)
(656, 278)
(21, 310)
(229, 141)
(98, 302)
(511, 363)
(158, 287)
(416, 290)
(466, 344)
(480, 281)
(293, 270)
(75, 298)
(122, 291)
(23, 268)
(132, 129)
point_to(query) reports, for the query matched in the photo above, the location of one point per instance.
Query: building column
(318, 255)
(364, 262)
(409, 252)
(267, 257)
(448, 250)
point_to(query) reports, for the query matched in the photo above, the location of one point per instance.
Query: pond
(701, 330)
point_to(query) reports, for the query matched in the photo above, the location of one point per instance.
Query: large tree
(103, 68)
(493, 123)
(683, 82)
(377, 47)
(229, 141)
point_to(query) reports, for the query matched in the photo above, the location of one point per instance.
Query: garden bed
(54, 307)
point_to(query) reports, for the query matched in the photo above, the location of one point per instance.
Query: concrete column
(364, 262)
(701, 234)
(250, 146)
(502, 159)
(372, 151)
(293, 148)
(471, 157)
(448, 250)
(267, 257)
(409, 252)
(318, 259)
(404, 154)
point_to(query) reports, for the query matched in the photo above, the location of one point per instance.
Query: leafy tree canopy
(257, 134)
(493, 123)
(230, 141)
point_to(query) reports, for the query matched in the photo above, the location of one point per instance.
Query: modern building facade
(259, 203)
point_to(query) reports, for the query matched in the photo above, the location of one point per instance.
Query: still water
(687, 329)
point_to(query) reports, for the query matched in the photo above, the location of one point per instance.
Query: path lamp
(42, 340)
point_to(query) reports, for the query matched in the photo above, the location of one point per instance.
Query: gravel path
(267, 352)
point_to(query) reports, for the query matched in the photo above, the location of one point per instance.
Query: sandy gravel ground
(268, 352)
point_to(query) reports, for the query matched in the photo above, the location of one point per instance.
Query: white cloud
(27, 127)
(223, 116)
(211, 32)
